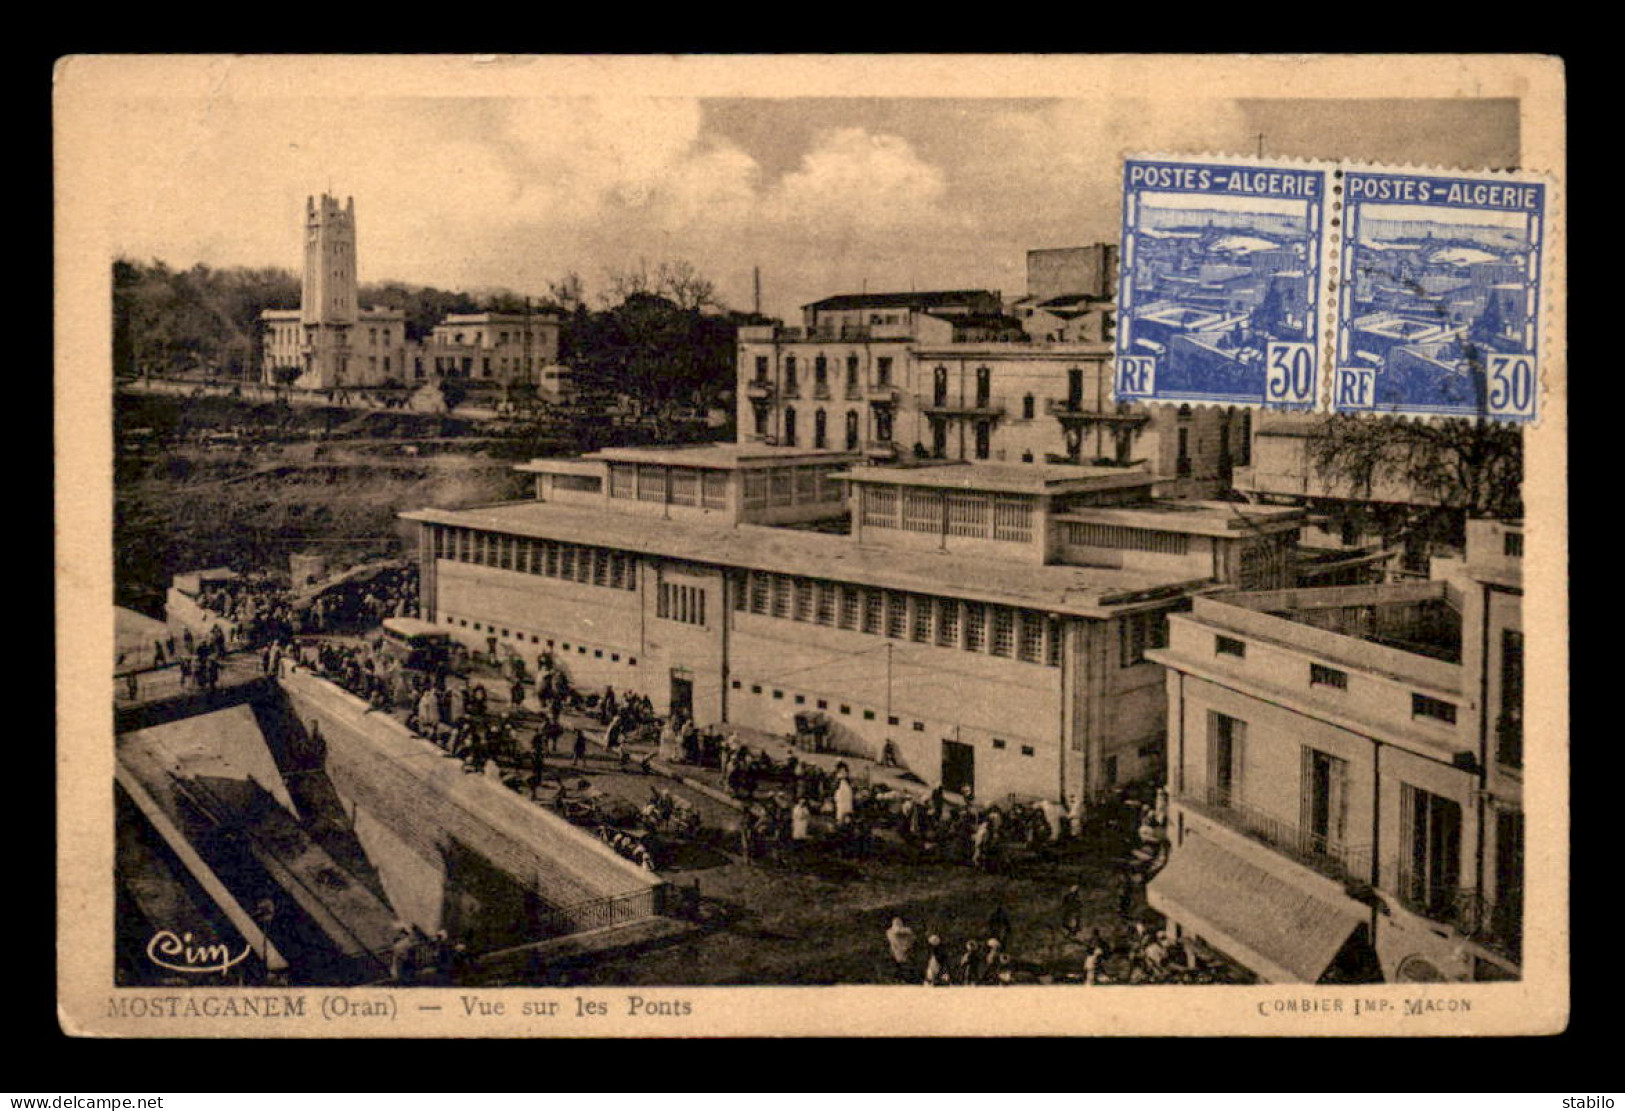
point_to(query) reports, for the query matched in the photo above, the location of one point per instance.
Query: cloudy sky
(826, 195)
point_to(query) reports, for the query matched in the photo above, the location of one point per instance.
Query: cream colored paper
(1383, 100)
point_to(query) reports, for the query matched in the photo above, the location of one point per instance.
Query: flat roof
(1078, 591)
(1012, 478)
(1213, 518)
(727, 456)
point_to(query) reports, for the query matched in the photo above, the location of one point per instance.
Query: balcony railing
(1341, 862)
(760, 388)
(1496, 926)
(950, 406)
(1067, 409)
(879, 447)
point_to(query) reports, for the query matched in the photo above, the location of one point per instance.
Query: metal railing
(613, 910)
(1339, 861)
(1065, 407)
(760, 387)
(971, 405)
(1467, 910)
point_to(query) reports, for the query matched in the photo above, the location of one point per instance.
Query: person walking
(1072, 910)
(579, 750)
(900, 940)
(936, 962)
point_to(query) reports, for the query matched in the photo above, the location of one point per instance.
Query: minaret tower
(327, 303)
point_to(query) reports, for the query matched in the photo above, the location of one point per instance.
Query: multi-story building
(986, 625)
(331, 342)
(934, 375)
(1344, 774)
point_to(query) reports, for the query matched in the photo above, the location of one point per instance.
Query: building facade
(1344, 775)
(962, 387)
(1010, 661)
(332, 342)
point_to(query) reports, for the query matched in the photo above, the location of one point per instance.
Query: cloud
(859, 181)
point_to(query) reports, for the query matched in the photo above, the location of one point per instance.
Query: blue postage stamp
(1440, 310)
(1219, 291)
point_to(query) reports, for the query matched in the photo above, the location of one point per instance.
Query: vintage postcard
(724, 546)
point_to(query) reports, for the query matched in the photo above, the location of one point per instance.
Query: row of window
(1322, 675)
(576, 562)
(1025, 635)
(820, 427)
(983, 516)
(492, 631)
(778, 694)
(671, 485)
(883, 366)
(1127, 539)
(781, 486)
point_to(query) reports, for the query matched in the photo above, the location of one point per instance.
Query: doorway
(682, 694)
(958, 767)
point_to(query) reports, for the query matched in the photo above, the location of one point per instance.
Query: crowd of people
(363, 602)
(255, 608)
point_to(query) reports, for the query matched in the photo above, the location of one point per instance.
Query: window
(851, 374)
(1322, 676)
(1138, 632)
(820, 377)
(1509, 727)
(1226, 758)
(948, 622)
(804, 600)
(1003, 632)
(790, 376)
(868, 715)
(1229, 646)
(851, 430)
(1027, 750)
(976, 628)
(714, 490)
(1324, 807)
(1028, 407)
(820, 429)
(826, 603)
(984, 438)
(896, 614)
(761, 368)
(984, 383)
(920, 627)
(1430, 833)
(1512, 545)
(874, 605)
(997, 743)
(1426, 706)
(790, 425)
(781, 596)
(939, 386)
(883, 371)
(1030, 645)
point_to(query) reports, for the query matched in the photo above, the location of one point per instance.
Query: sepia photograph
(561, 536)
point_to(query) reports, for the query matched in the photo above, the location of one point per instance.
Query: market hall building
(983, 625)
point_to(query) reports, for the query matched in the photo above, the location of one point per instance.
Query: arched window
(790, 374)
(851, 430)
(820, 429)
(790, 425)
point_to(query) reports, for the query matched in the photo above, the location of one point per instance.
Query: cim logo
(178, 954)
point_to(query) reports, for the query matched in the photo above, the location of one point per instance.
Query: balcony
(1347, 864)
(880, 449)
(1067, 410)
(970, 408)
(883, 395)
(1496, 926)
(761, 389)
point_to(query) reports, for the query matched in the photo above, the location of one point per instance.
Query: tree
(1453, 469)
(569, 292)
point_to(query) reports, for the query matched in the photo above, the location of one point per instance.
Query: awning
(1283, 932)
